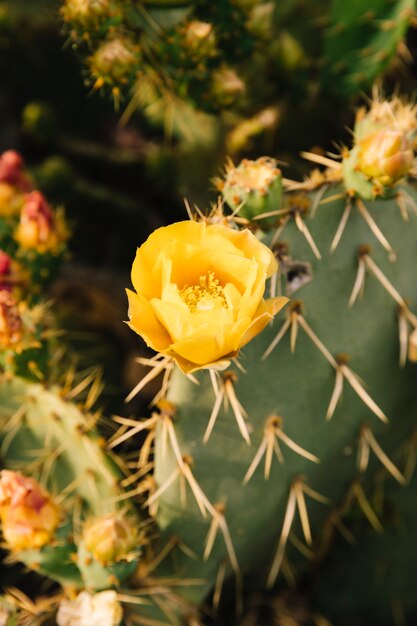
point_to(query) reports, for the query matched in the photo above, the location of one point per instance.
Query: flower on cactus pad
(39, 228)
(199, 292)
(28, 515)
(100, 609)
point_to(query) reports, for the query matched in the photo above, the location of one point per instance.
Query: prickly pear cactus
(285, 333)
(361, 41)
(258, 461)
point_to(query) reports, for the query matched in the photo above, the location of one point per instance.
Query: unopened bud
(198, 39)
(227, 87)
(28, 515)
(5, 270)
(11, 200)
(255, 186)
(110, 538)
(85, 13)
(11, 327)
(12, 170)
(385, 156)
(114, 60)
(38, 228)
(100, 609)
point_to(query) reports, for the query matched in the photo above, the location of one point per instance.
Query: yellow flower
(28, 515)
(199, 292)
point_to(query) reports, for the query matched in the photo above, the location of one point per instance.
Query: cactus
(249, 470)
(265, 502)
(360, 43)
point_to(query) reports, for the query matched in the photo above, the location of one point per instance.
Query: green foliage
(361, 41)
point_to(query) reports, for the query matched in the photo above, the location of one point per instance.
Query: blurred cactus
(361, 41)
(198, 54)
(30, 231)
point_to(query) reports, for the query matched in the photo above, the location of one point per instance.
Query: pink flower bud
(37, 225)
(28, 515)
(12, 170)
(385, 156)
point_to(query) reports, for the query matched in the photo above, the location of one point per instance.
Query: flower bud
(11, 327)
(11, 200)
(12, 170)
(109, 538)
(198, 39)
(412, 347)
(38, 228)
(100, 609)
(226, 87)
(385, 156)
(114, 60)
(260, 20)
(28, 515)
(5, 271)
(255, 185)
(85, 13)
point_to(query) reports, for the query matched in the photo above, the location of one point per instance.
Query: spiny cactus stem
(270, 443)
(342, 225)
(365, 262)
(218, 522)
(356, 493)
(158, 364)
(226, 394)
(375, 228)
(301, 225)
(295, 501)
(367, 442)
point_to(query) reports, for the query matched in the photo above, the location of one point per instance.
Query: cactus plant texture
(173, 56)
(318, 412)
(285, 416)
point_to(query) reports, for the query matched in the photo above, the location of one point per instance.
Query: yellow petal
(267, 310)
(144, 322)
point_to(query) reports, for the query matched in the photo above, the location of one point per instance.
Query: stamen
(205, 296)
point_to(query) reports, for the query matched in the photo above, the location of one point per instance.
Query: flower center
(205, 296)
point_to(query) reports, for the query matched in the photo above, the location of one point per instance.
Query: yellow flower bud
(28, 515)
(199, 292)
(109, 538)
(11, 327)
(198, 39)
(114, 60)
(385, 156)
(85, 12)
(11, 200)
(227, 87)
